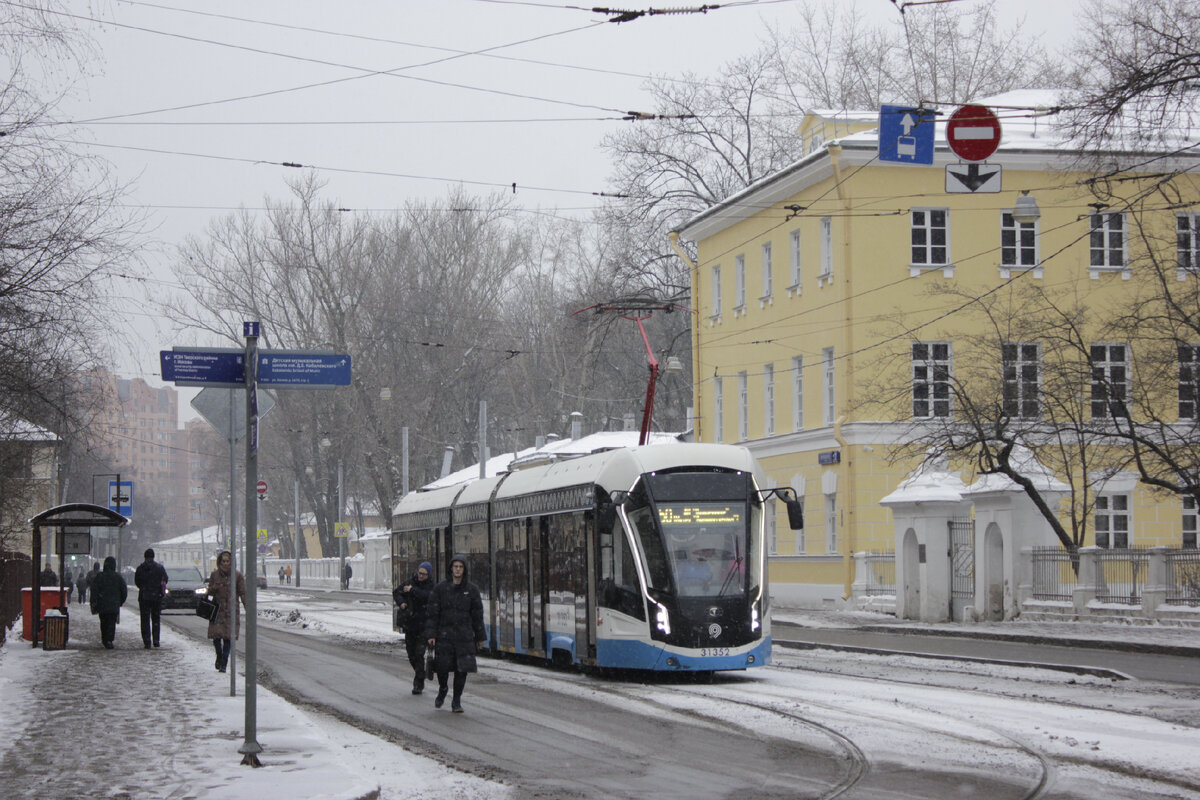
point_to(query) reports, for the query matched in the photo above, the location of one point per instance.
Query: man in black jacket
(108, 595)
(151, 581)
(411, 599)
(454, 627)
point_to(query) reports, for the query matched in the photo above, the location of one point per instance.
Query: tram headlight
(754, 623)
(663, 619)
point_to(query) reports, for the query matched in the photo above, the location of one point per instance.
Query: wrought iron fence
(962, 559)
(1121, 575)
(1055, 573)
(1183, 578)
(880, 566)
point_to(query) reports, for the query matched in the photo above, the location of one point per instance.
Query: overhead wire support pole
(250, 747)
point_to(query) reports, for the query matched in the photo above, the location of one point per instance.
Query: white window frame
(831, 535)
(1108, 244)
(795, 262)
(1114, 513)
(826, 276)
(922, 221)
(1021, 365)
(768, 399)
(1020, 246)
(1189, 381)
(932, 387)
(828, 386)
(1191, 521)
(797, 393)
(767, 277)
(739, 284)
(1187, 244)
(716, 292)
(1110, 378)
(743, 407)
(718, 411)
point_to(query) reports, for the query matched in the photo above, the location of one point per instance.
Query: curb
(1026, 638)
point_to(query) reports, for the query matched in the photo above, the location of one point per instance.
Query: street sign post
(303, 369)
(973, 133)
(204, 366)
(906, 135)
(261, 488)
(121, 501)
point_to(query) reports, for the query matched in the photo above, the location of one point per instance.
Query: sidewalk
(136, 723)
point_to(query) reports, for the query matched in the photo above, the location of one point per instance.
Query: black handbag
(430, 672)
(207, 609)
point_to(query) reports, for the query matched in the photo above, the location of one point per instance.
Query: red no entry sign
(973, 133)
(261, 487)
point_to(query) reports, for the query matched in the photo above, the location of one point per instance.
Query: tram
(646, 558)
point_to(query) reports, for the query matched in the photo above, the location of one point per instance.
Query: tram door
(538, 564)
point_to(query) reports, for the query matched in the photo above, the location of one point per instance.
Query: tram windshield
(697, 547)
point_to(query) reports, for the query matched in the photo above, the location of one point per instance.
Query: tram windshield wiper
(735, 568)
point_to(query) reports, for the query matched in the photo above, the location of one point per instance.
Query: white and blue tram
(646, 558)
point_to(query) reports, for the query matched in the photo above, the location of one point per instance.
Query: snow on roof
(17, 429)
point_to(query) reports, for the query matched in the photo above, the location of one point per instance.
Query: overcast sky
(488, 93)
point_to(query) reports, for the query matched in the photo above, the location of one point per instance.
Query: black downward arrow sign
(973, 180)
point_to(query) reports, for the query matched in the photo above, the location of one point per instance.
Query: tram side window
(618, 574)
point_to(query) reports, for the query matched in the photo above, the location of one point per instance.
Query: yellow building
(834, 297)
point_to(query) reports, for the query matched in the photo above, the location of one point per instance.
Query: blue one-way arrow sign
(906, 134)
(303, 369)
(204, 366)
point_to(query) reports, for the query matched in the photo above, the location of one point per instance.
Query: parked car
(261, 580)
(185, 587)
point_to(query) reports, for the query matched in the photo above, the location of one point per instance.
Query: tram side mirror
(795, 512)
(606, 516)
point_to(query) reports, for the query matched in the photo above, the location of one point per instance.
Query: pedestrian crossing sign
(341, 530)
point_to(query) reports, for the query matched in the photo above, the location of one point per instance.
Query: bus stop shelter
(60, 518)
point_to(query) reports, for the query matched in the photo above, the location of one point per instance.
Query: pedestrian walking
(109, 593)
(50, 578)
(346, 573)
(281, 575)
(288, 571)
(69, 582)
(412, 598)
(151, 581)
(454, 628)
(81, 584)
(225, 626)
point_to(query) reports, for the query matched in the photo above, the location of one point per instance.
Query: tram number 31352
(714, 651)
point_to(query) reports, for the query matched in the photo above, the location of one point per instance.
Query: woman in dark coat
(411, 598)
(109, 593)
(81, 583)
(454, 628)
(222, 629)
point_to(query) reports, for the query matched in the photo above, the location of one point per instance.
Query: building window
(1188, 242)
(1189, 522)
(794, 273)
(718, 411)
(768, 400)
(1110, 381)
(826, 249)
(930, 237)
(797, 393)
(1022, 379)
(931, 379)
(827, 385)
(716, 291)
(766, 271)
(1108, 240)
(1112, 520)
(739, 282)
(831, 543)
(743, 409)
(1189, 381)
(1018, 242)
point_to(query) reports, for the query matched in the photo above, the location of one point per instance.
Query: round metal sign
(973, 133)
(261, 487)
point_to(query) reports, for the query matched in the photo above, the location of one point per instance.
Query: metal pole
(341, 539)
(232, 557)
(482, 439)
(250, 747)
(297, 528)
(404, 460)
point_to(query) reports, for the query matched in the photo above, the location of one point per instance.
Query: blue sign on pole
(204, 366)
(121, 501)
(906, 134)
(303, 369)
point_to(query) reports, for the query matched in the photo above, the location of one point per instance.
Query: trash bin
(55, 627)
(52, 597)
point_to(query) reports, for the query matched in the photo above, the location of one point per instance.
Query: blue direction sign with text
(204, 366)
(906, 134)
(303, 369)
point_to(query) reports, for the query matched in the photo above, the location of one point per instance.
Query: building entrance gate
(962, 566)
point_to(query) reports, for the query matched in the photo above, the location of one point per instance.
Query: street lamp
(1026, 210)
